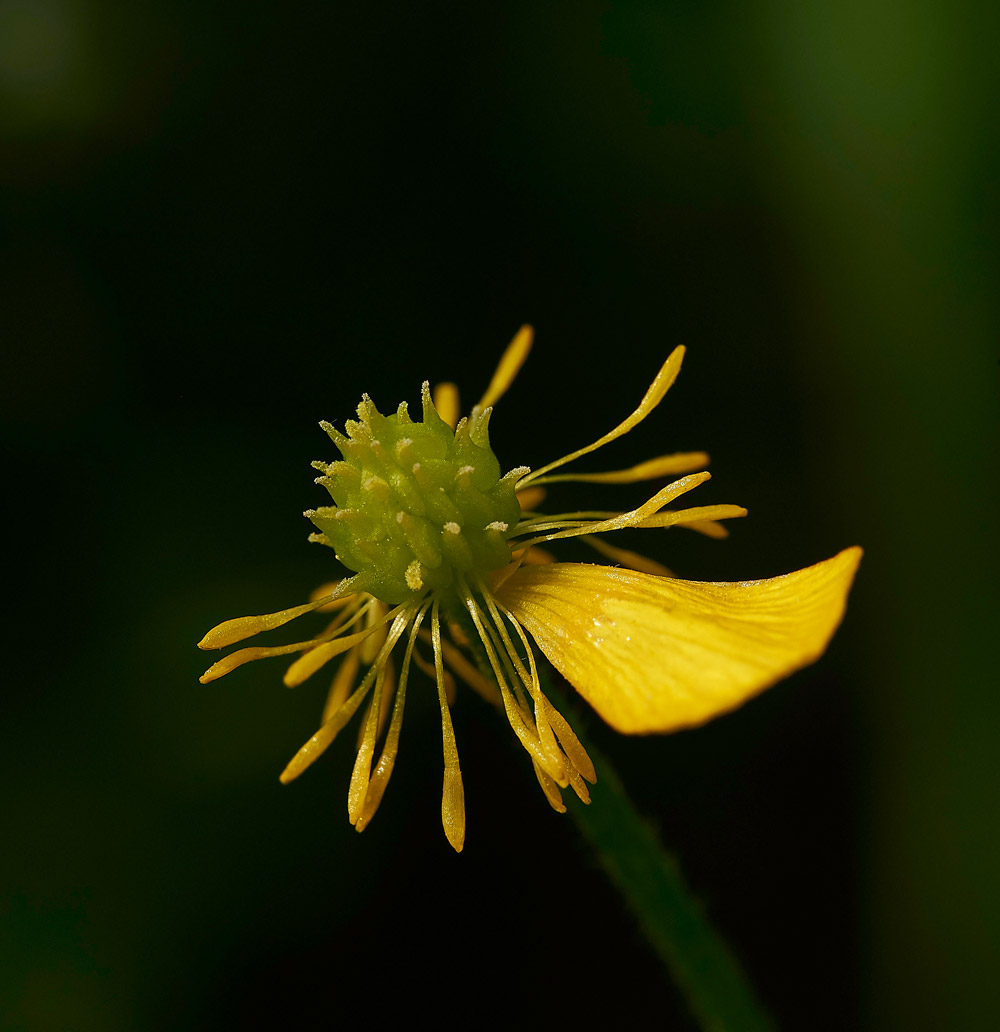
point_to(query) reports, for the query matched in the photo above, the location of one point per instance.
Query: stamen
(698, 514)
(446, 401)
(628, 559)
(544, 521)
(453, 793)
(376, 623)
(510, 364)
(231, 631)
(514, 715)
(317, 745)
(363, 761)
(514, 682)
(530, 498)
(709, 528)
(535, 556)
(651, 469)
(305, 666)
(323, 593)
(342, 683)
(383, 769)
(660, 385)
(388, 691)
(469, 674)
(461, 666)
(236, 659)
(427, 665)
(575, 752)
(348, 616)
(532, 683)
(579, 787)
(550, 789)
(626, 519)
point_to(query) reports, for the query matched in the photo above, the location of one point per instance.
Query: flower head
(434, 534)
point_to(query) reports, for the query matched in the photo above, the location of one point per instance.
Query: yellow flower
(433, 533)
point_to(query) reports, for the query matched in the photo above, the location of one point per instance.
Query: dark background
(223, 222)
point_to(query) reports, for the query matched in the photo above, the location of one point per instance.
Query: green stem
(650, 882)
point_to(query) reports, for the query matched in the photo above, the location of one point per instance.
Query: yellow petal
(653, 654)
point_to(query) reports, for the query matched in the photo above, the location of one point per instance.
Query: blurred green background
(223, 222)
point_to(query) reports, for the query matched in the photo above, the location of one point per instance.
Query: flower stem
(649, 880)
(672, 919)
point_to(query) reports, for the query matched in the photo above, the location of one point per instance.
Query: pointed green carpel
(416, 504)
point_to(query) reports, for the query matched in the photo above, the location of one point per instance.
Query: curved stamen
(383, 769)
(446, 401)
(509, 366)
(651, 469)
(231, 631)
(625, 557)
(342, 683)
(320, 741)
(361, 773)
(550, 788)
(515, 717)
(653, 396)
(452, 793)
(627, 519)
(531, 680)
(307, 665)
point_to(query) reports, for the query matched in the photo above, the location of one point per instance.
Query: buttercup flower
(433, 534)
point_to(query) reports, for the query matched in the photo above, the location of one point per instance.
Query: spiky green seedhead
(416, 504)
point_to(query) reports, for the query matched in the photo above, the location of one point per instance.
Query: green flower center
(416, 505)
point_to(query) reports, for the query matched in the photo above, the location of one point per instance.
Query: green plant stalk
(674, 922)
(650, 882)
